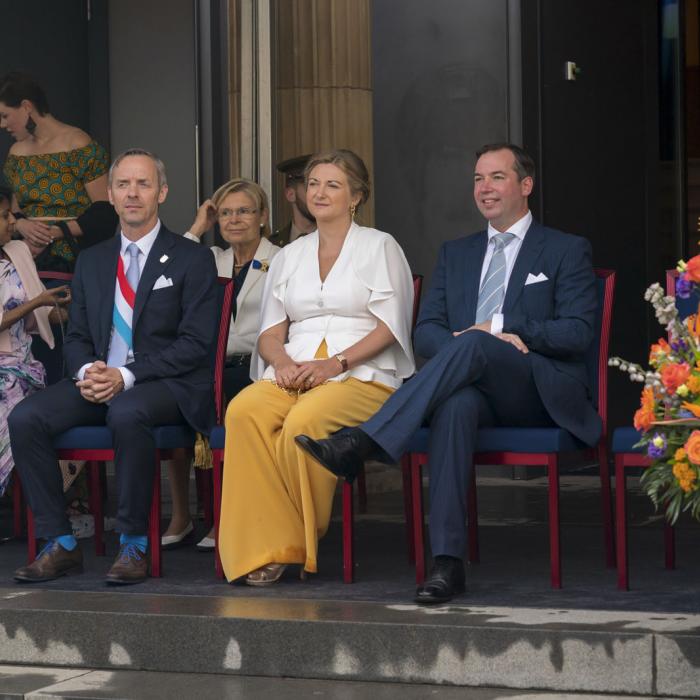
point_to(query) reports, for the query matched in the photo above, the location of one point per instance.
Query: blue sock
(68, 542)
(140, 541)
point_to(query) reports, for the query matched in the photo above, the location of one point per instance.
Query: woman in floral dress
(25, 307)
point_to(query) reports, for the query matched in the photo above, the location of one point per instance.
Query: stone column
(323, 82)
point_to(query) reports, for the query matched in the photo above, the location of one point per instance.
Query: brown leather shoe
(130, 566)
(52, 562)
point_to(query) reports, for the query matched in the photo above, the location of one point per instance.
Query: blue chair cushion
(98, 437)
(92, 437)
(624, 440)
(512, 440)
(217, 438)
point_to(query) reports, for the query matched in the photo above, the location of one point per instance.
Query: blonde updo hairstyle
(350, 163)
(247, 187)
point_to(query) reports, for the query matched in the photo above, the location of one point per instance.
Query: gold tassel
(202, 453)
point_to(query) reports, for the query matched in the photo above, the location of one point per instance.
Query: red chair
(94, 444)
(626, 455)
(348, 515)
(532, 447)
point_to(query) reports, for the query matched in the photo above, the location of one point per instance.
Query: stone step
(559, 650)
(43, 683)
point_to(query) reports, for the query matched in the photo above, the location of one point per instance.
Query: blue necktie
(493, 289)
(122, 315)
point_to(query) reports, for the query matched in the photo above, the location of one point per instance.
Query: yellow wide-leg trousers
(276, 500)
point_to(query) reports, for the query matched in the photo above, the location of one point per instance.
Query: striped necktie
(493, 289)
(124, 297)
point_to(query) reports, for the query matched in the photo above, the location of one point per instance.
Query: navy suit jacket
(554, 318)
(173, 327)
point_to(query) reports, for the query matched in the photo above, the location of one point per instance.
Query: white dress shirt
(369, 280)
(518, 229)
(144, 244)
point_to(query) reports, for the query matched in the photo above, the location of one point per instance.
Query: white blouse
(370, 280)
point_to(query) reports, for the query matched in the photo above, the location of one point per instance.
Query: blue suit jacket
(554, 318)
(173, 327)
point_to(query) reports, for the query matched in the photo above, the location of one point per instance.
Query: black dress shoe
(446, 580)
(343, 453)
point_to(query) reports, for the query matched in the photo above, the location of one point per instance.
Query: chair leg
(31, 536)
(472, 520)
(202, 480)
(554, 528)
(17, 505)
(217, 474)
(154, 523)
(669, 545)
(362, 490)
(621, 523)
(96, 501)
(417, 498)
(606, 502)
(348, 554)
(408, 506)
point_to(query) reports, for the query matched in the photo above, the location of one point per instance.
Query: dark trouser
(476, 380)
(236, 375)
(130, 416)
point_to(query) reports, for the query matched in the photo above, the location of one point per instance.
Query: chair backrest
(596, 358)
(225, 298)
(417, 289)
(686, 307)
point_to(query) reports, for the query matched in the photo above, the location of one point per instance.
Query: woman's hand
(286, 371)
(56, 296)
(36, 233)
(205, 219)
(316, 372)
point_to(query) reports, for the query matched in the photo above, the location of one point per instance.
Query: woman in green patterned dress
(58, 175)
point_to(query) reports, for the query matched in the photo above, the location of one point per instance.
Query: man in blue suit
(506, 322)
(141, 325)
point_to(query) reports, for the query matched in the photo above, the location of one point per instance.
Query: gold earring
(353, 207)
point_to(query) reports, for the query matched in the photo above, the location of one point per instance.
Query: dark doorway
(64, 46)
(596, 139)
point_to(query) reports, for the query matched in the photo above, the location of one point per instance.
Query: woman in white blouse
(334, 343)
(241, 210)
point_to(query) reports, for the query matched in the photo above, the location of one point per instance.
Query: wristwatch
(343, 361)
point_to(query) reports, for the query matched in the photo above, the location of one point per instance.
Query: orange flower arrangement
(692, 269)
(669, 412)
(644, 416)
(673, 375)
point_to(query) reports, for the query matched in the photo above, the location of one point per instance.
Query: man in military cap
(295, 193)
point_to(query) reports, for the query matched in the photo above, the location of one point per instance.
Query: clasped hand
(512, 338)
(302, 376)
(100, 383)
(36, 234)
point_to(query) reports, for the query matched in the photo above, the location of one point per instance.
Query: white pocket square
(162, 282)
(534, 279)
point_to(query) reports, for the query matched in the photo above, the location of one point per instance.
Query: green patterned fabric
(53, 184)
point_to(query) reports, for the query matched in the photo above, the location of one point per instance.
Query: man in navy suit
(506, 323)
(141, 325)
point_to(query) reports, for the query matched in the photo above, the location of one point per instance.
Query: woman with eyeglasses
(240, 208)
(334, 343)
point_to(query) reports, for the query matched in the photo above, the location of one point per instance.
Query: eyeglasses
(242, 212)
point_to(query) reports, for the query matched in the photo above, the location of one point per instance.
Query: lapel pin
(163, 258)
